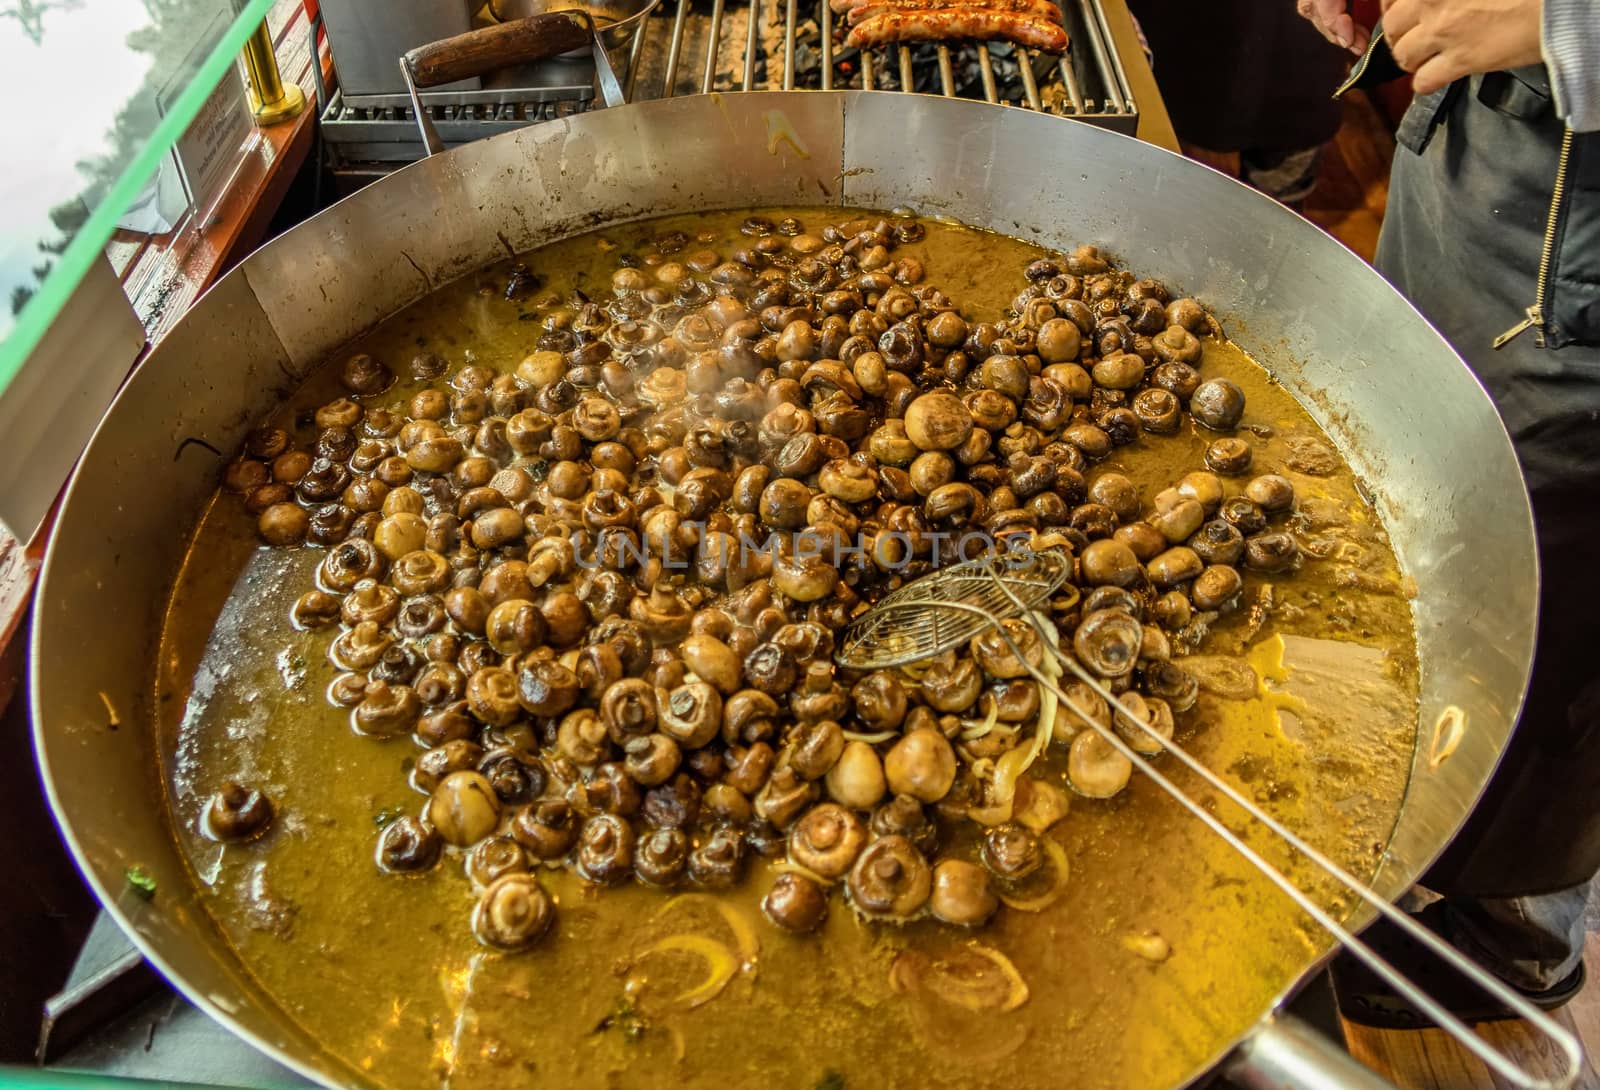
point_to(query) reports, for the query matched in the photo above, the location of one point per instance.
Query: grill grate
(727, 45)
(789, 44)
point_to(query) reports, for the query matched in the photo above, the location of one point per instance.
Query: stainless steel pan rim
(1449, 489)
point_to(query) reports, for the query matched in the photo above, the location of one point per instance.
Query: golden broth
(385, 971)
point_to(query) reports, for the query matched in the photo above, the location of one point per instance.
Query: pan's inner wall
(401, 990)
(1407, 414)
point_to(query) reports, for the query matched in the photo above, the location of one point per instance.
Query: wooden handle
(477, 52)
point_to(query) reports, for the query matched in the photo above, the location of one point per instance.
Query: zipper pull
(1535, 318)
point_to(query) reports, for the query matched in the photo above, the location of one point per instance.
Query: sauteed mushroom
(961, 894)
(605, 849)
(795, 903)
(1095, 768)
(494, 858)
(560, 582)
(236, 812)
(662, 858)
(407, 845)
(513, 913)
(921, 765)
(827, 840)
(719, 860)
(464, 808)
(547, 829)
(890, 879)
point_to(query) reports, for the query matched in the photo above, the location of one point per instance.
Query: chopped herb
(297, 662)
(141, 881)
(539, 470)
(625, 1017)
(831, 1080)
(386, 815)
(408, 764)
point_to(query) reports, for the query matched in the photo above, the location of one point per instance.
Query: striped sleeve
(1570, 37)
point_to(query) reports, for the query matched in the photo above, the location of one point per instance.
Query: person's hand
(1332, 19)
(1442, 40)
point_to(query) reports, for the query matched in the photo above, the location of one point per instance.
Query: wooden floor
(1353, 185)
(1348, 203)
(1354, 181)
(1428, 1060)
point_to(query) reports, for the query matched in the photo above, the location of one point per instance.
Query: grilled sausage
(944, 24)
(863, 10)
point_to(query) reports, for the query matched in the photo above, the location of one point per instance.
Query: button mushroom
(771, 669)
(1083, 709)
(662, 857)
(856, 779)
(814, 748)
(651, 759)
(937, 421)
(795, 903)
(546, 688)
(1271, 492)
(463, 808)
(1011, 851)
(890, 879)
(921, 765)
(492, 859)
(953, 690)
(692, 714)
(449, 755)
(514, 626)
(1153, 713)
(827, 839)
(1094, 767)
(513, 913)
(905, 816)
(605, 849)
(547, 829)
(407, 845)
(712, 661)
(386, 710)
(674, 804)
(995, 655)
(236, 812)
(1107, 641)
(1217, 403)
(492, 696)
(719, 860)
(515, 777)
(629, 709)
(961, 893)
(783, 797)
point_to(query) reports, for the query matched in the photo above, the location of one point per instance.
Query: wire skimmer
(940, 611)
(908, 624)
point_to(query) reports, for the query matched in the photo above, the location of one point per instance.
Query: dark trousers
(1468, 202)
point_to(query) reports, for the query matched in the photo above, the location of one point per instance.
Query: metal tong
(944, 609)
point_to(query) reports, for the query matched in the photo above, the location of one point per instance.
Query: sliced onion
(1058, 885)
(744, 931)
(1003, 789)
(789, 866)
(870, 739)
(959, 982)
(975, 731)
(720, 965)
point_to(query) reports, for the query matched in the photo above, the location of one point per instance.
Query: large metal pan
(1404, 409)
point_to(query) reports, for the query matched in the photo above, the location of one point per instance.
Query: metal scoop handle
(478, 52)
(1458, 1030)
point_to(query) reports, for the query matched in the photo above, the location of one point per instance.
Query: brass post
(271, 100)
